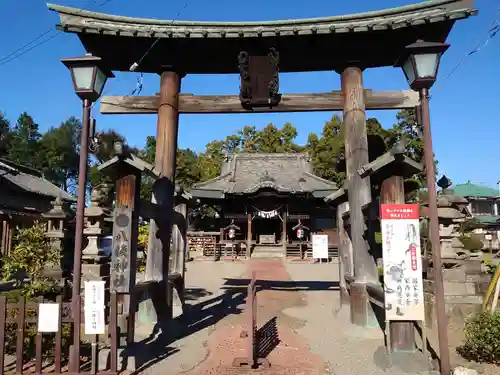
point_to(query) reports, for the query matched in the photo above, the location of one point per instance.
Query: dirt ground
(305, 332)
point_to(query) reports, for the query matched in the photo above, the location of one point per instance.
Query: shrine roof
(31, 181)
(213, 47)
(247, 173)
(475, 191)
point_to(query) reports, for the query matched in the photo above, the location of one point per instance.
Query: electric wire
(136, 64)
(492, 31)
(22, 51)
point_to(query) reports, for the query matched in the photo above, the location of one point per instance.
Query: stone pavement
(300, 301)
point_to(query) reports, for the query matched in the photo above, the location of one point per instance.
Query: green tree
(327, 150)
(249, 139)
(105, 151)
(210, 161)
(271, 139)
(4, 134)
(187, 172)
(59, 153)
(23, 144)
(411, 131)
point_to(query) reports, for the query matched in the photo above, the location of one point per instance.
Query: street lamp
(420, 63)
(89, 77)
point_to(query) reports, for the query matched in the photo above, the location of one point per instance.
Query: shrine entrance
(267, 227)
(267, 231)
(259, 51)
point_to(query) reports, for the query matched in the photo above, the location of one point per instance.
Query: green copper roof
(472, 190)
(486, 219)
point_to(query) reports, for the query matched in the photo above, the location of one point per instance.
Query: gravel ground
(317, 337)
(347, 349)
(186, 347)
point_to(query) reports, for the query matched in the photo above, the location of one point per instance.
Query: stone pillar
(179, 244)
(157, 267)
(359, 193)
(345, 253)
(95, 259)
(5, 237)
(284, 232)
(249, 235)
(57, 234)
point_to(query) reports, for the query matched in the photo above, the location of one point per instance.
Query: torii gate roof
(371, 39)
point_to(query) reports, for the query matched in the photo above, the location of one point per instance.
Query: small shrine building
(267, 196)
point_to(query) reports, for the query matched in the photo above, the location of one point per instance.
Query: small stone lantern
(95, 259)
(56, 232)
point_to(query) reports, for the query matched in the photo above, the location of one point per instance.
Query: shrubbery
(471, 242)
(31, 254)
(482, 338)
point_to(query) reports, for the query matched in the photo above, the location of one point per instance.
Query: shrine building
(266, 196)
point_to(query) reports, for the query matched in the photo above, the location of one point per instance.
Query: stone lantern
(96, 255)
(57, 234)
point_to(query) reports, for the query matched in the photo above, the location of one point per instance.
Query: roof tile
(246, 173)
(472, 190)
(31, 182)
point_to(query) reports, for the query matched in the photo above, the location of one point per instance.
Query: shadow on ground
(198, 316)
(268, 338)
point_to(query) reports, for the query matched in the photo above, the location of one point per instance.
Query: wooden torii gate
(346, 44)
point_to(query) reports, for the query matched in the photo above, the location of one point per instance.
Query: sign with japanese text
(94, 293)
(320, 246)
(121, 256)
(403, 285)
(94, 307)
(94, 321)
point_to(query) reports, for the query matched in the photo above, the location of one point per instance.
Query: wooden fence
(43, 353)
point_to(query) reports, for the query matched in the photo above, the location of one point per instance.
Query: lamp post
(88, 77)
(420, 63)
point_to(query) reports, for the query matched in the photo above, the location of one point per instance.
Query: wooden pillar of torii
(157, 267)
(356, 155)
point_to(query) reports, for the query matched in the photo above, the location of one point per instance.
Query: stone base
(362, 313)
(173, 302)
(126, 360)
(403, 337)
(345, 298)
(457, 308)
(95, 271)
(55, 273)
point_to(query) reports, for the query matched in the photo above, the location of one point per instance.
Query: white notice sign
(94, 293)
(403, 286)
(48, 317)
(320, 246)
(94, 307)
(94, 321)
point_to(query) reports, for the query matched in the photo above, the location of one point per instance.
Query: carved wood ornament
(259, 79)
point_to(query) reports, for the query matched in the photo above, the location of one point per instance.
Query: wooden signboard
(403, 285)
(121, 257)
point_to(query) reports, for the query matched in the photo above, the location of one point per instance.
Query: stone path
(315, 338)
(291, 352)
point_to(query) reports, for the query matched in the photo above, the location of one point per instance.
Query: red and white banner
(403, 286)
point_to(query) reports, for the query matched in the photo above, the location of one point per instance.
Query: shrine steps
(268, 252)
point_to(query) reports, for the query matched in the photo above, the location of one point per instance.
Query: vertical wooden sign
(123, 257)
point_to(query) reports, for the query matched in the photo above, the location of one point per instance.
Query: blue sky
(464, 121)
